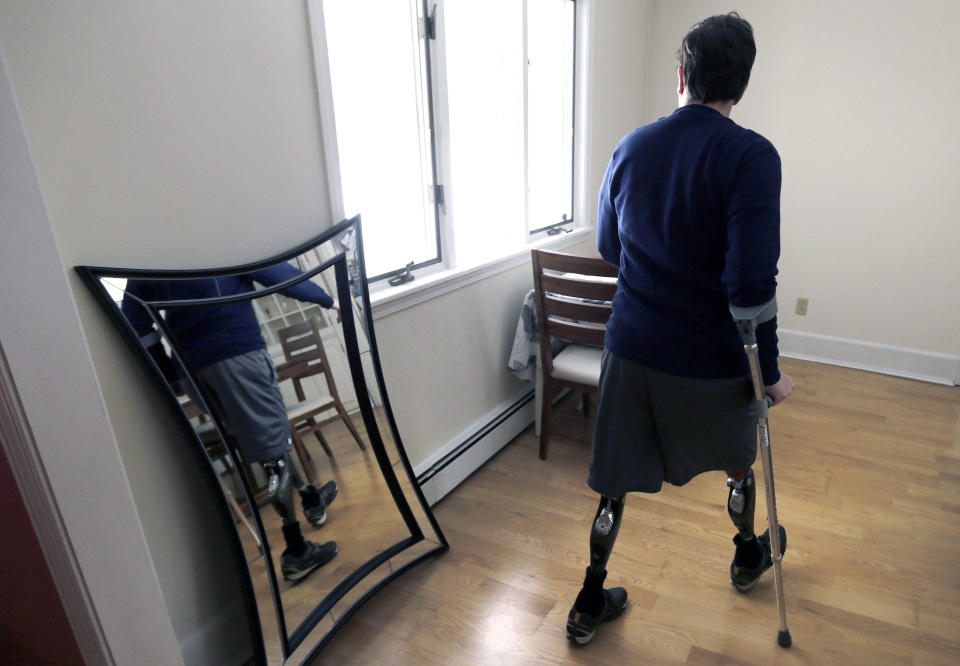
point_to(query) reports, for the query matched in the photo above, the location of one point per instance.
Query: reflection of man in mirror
(224, 347)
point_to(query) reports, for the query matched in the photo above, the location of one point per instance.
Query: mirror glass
(274, 370)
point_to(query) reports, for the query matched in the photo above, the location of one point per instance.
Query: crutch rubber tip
(783, 638)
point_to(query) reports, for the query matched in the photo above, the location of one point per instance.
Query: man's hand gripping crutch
(747, 320)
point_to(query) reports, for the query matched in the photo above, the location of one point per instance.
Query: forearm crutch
(747, 320)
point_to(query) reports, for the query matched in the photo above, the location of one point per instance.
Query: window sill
(395, 299)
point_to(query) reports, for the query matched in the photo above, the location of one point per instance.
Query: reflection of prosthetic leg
(283, 478)
(300, 557)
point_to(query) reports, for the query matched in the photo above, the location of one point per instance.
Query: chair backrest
(301, 342)
(573, 297)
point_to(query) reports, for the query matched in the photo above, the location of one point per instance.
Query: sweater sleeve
(134, 310)
(303, 291)
(753, 243)
(608, 231)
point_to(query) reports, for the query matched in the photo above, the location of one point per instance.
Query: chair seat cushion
(578, 363)
(302, 410)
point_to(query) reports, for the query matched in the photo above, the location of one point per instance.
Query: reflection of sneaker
(749, 563)
(581, 626)
(313, 557)
(315, 502)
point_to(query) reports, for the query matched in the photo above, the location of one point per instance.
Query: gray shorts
(246, 396)
(654, 427)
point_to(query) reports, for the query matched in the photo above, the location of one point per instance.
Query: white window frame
(445, 276)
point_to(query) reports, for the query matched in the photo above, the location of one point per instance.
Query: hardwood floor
(868, 485)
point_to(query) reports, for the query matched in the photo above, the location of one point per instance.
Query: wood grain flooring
(868, 483)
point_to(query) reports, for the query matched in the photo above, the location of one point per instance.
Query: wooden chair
(573, 297)
(208, 435)
(305, 357)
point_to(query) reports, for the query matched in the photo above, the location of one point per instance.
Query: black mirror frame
(92, 275)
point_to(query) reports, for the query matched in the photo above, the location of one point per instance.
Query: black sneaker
(747, 567)
(581, 626)
(315, 502)
(315, 556)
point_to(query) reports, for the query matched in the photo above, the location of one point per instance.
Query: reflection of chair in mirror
(573, 297)
(304, 356)
(208, 435)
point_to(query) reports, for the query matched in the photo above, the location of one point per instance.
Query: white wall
(860, 99)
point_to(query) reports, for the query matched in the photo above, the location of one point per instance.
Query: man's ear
(679, 79)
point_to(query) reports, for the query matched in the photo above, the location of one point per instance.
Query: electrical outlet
(802, 306)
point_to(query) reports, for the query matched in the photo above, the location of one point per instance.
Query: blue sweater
(212, 333)
(690, 213)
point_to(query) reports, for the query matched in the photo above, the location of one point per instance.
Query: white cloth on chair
(526, 341)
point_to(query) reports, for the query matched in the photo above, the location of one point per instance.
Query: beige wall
(860, 99)
(61, 445)
(619, 38)
(167, 134)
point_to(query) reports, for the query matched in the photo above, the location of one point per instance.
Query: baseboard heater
(475, 438)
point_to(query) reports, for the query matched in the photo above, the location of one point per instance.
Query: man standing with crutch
(690, 214)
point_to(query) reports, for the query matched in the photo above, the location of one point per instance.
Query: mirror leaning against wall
(273, 369)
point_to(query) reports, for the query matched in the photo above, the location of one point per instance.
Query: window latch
(555, 231)
(427, 26)
(402, 277)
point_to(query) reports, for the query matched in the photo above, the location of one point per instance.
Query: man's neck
(723, 107)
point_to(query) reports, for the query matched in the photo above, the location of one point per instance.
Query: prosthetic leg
(742, 501)
(594, 604)
(300, 557)
(283, 477)
(603, 534)
(747, 320)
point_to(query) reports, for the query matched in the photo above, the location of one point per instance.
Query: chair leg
(352, 428)
(312, 422)
(537, 402)
(305, 462)
(586, 404)
(323, 441)
(545, 408)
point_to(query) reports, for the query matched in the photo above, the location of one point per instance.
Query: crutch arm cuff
(748, 318)
(757, 314)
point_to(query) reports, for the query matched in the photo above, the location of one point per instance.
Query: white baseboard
(221, 640)
(886, 359)
(471, 448)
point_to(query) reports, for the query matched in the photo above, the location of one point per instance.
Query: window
(448, 125)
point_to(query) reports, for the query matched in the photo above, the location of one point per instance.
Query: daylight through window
(454, 124)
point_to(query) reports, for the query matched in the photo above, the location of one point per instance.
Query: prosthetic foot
(301, 557)
(753, 555)
(594, 604)
(755, 560)
(315, 502)
(297, 567)
(582, 624)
